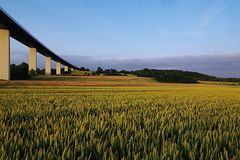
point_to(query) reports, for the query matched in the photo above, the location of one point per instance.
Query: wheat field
(149, 122)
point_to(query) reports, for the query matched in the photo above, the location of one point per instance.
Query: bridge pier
(48, 66)
(32, 59)
(65, 68)
(58, 68)
(5, 54)
(10, 28)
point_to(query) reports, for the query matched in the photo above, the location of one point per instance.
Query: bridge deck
(20, 34)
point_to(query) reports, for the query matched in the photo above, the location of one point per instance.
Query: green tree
(99, 70)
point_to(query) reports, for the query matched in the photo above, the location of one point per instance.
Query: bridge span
(10, 28)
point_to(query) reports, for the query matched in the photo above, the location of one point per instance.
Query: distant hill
(180, 76)
(20, 72)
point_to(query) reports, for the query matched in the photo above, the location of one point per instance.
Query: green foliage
(180, 76)
(81, 73)
(113, 72)
(168, 75)
(166, 122)
(99, 71)
(84, 69)
(19, 72)
(32, 73)
(110, 72)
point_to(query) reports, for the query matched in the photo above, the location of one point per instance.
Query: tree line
(21, 72)
(174, 76)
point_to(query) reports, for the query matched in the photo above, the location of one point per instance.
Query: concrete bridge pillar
(65, 68)
(48, 66)
(32, 59)
(5, 54)
(58, 68)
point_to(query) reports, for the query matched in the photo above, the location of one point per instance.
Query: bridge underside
(10, 28)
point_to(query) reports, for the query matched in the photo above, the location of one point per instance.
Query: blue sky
(109, 31)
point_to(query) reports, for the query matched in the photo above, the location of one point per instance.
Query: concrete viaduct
(10, 28)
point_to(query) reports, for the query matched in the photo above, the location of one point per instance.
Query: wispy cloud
(210, 15)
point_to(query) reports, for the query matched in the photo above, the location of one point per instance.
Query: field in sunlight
(85, 81)
(101, 81)
(147, 122)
